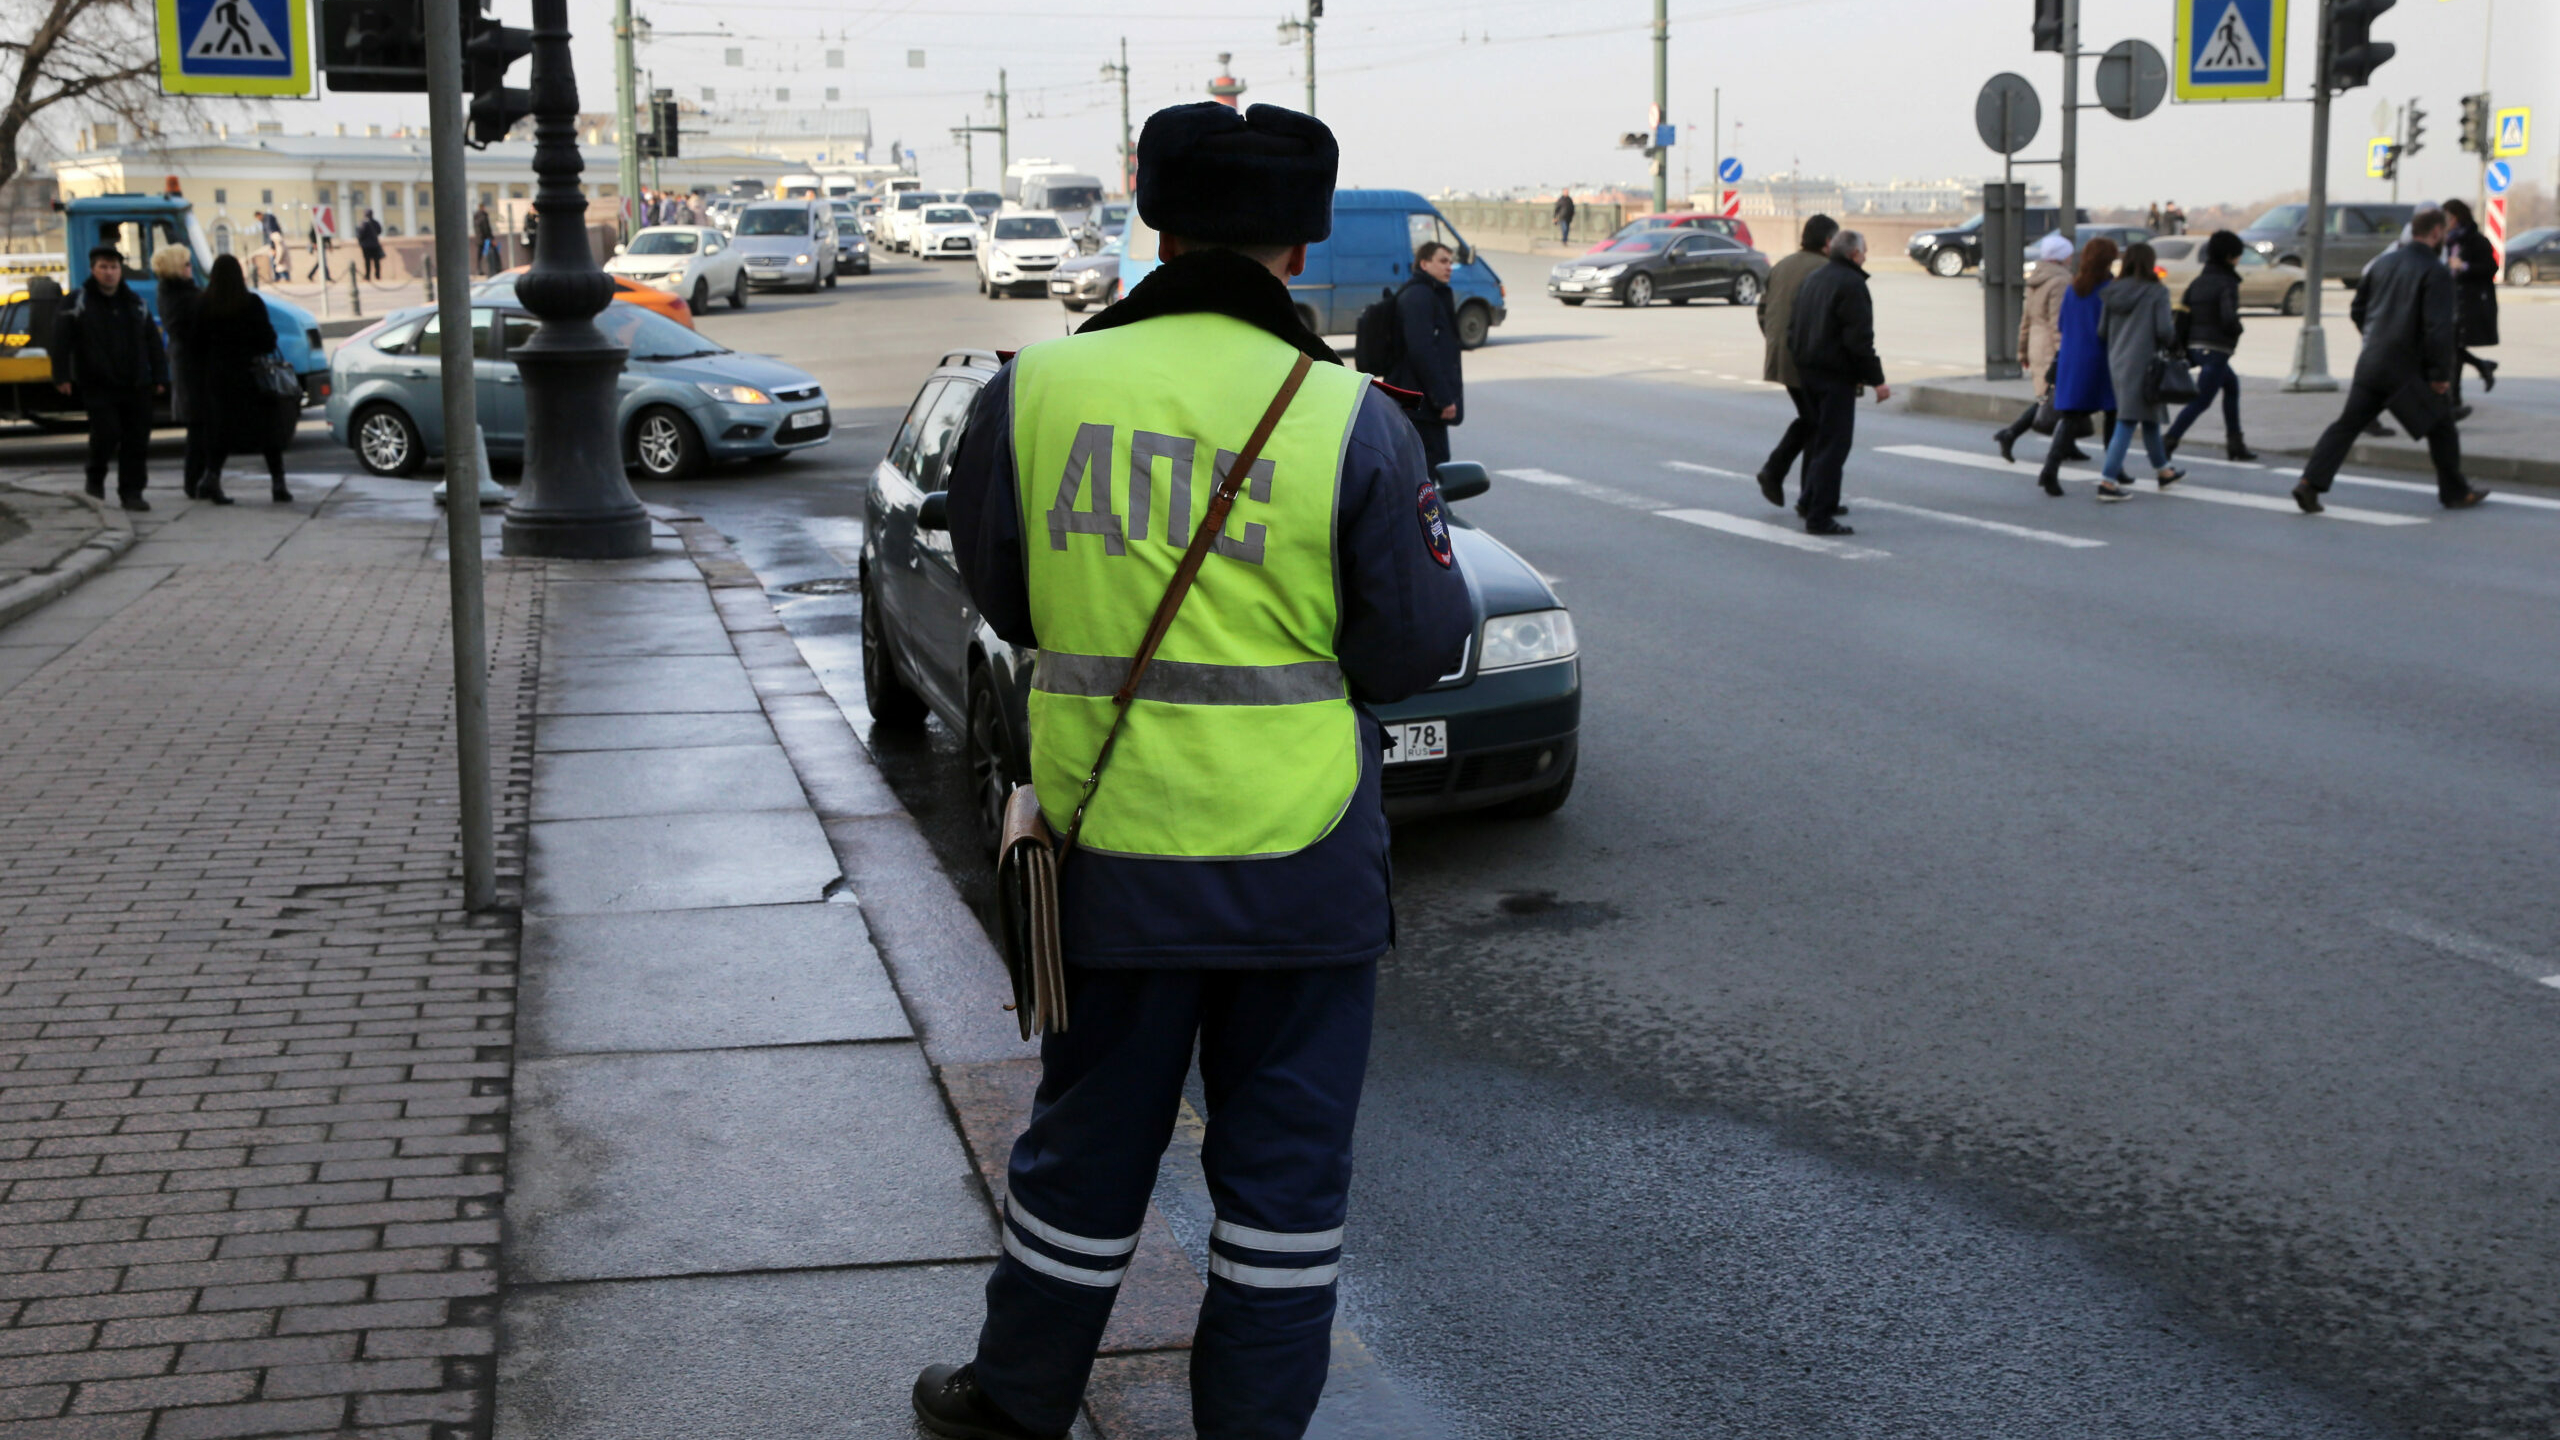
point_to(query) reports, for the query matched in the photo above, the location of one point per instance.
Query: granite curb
(112, 538)
(1979, 400)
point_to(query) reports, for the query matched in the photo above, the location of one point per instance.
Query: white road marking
(1605, 494)
(2049, 537)
(2187, 491)
(2471, 947)
(1774, 534)
(2411, 487)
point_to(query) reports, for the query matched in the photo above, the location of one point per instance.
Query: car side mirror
(1459, 479)
(934, 511)
(1466, 253)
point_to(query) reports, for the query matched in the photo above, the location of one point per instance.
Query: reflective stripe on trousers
(1100, 1277)
(1186, 682)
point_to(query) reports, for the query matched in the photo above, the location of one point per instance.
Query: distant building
(1787, 196)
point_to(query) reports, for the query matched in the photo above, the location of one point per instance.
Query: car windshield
(985, 200)
(1028, 227)
(1073, 197)
(651, 336)
(950, 215)
(1638, 227)
(1641, 244)
(2283, 217)
(665, 242)
(775, 221)
(1115, 214)
(2533, 237)
(912, 199)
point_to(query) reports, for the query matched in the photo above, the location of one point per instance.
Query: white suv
(945, 232)
(1022, 248)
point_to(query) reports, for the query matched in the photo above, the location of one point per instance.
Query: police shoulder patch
(1435, 523)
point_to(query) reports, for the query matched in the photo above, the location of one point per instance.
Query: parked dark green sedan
(1498, 733)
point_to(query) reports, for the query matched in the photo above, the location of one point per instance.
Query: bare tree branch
(95, 55)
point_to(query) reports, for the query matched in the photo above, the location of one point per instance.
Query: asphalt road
(2038, 969)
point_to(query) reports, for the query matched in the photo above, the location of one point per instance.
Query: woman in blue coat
(2081, 387)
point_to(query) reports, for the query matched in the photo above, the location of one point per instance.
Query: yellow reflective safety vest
(1242, 744)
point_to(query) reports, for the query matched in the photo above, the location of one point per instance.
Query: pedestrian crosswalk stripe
(1774, 534)
(1606, 494)
(1996, 527)
(2428, 488)
(2471, 947)
(2188, 491)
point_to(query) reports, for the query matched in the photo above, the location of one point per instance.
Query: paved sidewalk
(254, 1056)
(51, 539)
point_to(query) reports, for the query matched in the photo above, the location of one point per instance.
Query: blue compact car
(686, 399)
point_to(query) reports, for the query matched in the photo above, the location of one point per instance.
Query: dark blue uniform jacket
(1405, 619)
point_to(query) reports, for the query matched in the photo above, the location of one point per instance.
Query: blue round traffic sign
(2500, 176)
(1729, 170)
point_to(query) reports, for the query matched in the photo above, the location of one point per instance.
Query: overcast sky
(1487, 94)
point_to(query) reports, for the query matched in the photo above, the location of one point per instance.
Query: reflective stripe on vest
(1242, 742)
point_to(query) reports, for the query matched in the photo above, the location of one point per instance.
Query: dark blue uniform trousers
(1282, 1053)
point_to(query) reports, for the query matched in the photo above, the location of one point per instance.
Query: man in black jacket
(1832, 337)
(106, 350)
(2404, 309)
(1427, 321)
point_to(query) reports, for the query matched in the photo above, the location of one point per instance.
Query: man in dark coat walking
(106, 350)
(1564, 217)
(1832, 338)
(1427, 318)
(369, 245)
(2404, 309)
(484, 240)
(1778, 365)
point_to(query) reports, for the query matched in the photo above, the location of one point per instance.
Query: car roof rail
(972, 359)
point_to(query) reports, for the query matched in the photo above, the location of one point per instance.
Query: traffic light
(2391, 162)
(2049, 25)
(2475, 123)
(2416, 127)
(374, 45)
(488, 49)
(2353, 52)
(665, 111)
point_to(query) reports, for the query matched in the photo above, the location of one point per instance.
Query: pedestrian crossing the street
(1996, 527)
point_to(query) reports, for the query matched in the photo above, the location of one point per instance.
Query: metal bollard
(431, 279)
(355, 295)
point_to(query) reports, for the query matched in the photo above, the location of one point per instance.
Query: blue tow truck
(137, 225)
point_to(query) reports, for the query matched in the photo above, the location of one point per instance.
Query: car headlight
(1526, 639)
(1609, 272)
(733, 394)
(799, 259)
(2265, 247)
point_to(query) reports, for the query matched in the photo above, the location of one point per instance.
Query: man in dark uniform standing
(1427, 321)
(106, 351)
(1229, 890)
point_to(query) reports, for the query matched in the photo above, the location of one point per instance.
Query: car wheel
(1307, 318)
(981, 278)
(664, 444)
(884, 691)
(2521, 273)
(386, 442)
(1544, 802)
(1639, 292)
(1475, 326)
(1946, 264)
(1746, 290)
(738, 292)
(1575, 301)
(831, 279)
(991, 777)
(1075, 307)
(701, 301)
(2293, 299)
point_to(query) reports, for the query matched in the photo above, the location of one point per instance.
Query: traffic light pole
(574, 503)
(1661, 104)
(2311, 349)
(451, 201)
(2069, 220)
(626, 133)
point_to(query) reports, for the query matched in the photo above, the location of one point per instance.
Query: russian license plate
(1409, 741)
(806, 419)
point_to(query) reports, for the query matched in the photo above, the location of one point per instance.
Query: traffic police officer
(1229, 890)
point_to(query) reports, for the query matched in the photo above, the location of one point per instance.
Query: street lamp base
(574, 537)
(2310, 372)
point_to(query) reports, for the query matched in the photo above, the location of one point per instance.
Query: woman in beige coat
(2040, 336)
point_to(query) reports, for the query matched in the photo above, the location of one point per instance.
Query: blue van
(1375, 233)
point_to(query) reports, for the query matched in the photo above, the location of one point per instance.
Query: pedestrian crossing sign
(2377, 157)
(2230, 50)
(2509, 135)
(235, 47)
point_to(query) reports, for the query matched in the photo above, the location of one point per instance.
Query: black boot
(279, 494)
(2233, 447)
(950, 1404)
(2488, 376)
(211, 490)
(97, 487)
(2007, 439)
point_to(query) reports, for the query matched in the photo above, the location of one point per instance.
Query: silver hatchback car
(788, 242)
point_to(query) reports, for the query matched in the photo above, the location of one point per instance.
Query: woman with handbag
(2081, 386)
(2135, 323)
(2212, 333)
(230, 350)
(2474, 263)
(2039, 336)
